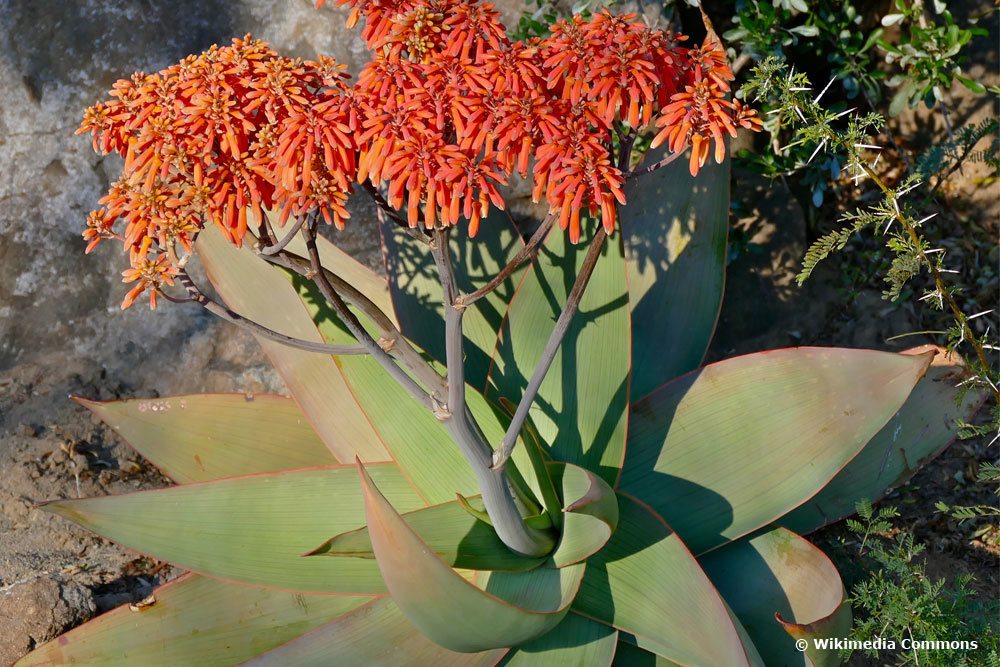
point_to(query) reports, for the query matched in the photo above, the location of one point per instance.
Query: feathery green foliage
(898, 600)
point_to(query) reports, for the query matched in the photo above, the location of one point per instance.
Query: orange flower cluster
(701, 111)
(452, 108)
(219, 137)
(445, 113)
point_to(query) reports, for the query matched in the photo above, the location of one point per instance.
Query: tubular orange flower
(700, 114)
(444, 113)
(98, 228)
(575, 173)
(148, 272)
(212, 139)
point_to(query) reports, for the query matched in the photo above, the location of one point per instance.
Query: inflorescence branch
(503, 453)
(526, 253)
(493, 484)
(195, 295)
(356, 329)
(390, 338)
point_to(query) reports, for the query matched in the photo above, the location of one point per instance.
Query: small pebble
(27, 430)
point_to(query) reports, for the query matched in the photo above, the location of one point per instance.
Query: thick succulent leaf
(923, 428)
(778, 572)
(376, 635)
(195, 621)
(575, 642)
(590, 513)
(207, 436)
(250, 529)
(514, 607)
(646, 583)
(727, 449)
(262, 293)
(369, 283)
(417, 297)
(412, 435)
(580, 409)
(630, 655)
(453, 534)
(674, 228)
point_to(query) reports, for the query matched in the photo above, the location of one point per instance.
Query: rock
(57, 58)
(27, 430)
(36, 611)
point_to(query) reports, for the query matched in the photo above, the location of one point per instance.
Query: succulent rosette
(506, 449)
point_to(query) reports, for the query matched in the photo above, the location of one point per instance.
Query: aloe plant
(505, 451)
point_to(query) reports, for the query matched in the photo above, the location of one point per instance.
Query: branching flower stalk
(549, 352)
(196, 295)
(493, 483)
(445, 113)
(814, 125)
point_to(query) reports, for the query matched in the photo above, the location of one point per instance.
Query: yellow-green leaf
(376, 634)
(731, 447)
(453, 534)
(251, 529)
(646, 583)
(925, 425)
(193, 621)
(262, 293)
(208, 436)
(675, 228)
(510, 608)
(779, 573)
(581, 406)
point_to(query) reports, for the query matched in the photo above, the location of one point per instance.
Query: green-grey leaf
(580, 409)
(727, 449)
(590, 513)
(675, 228)
(923, 427)
(778, 572)
(258, 291)
(250, 529)
(200, 437)
(646, 583)
(450, 531)
(509, 608)
(408, 431)
(630, 655)
(575, 642)
(417, 297)
(375, 635)
(195, 621)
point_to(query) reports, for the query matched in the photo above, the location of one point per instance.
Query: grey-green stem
(503, 452)
(462, 426)
(358, 331)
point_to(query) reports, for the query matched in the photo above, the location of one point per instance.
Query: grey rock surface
(40, 610)
(56, 58)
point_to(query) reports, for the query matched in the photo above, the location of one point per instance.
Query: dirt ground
(54, 575)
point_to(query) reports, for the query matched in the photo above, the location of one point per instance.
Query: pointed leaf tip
(590, 513)
(920, 430)
(795, 417)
